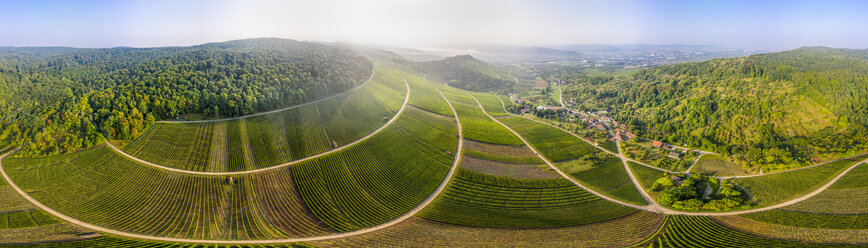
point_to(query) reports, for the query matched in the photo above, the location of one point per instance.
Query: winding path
(407, 215)
(551, 165)
(340, 148)
(661, 209)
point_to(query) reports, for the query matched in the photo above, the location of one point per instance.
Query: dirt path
(373, 71)
(694, 162)
(407, 215)
(550, 164)
(661, 209)
(366, 137)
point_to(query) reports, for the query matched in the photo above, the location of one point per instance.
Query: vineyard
(275, 138)
(770, 189)
(607, 176)
(477, 126)
(831, 209)
(315, 171)
(339, 192)
(698, 231)
(553, 143)
(476, 199)
(418, 232)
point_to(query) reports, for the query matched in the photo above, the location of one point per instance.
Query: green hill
(468, 73)
(780, 110)
(63, 98)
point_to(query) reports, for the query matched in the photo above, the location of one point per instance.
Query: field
(782, 232)
(835, 208)
(717, 165)
(338, 192)
(771, 189)
(645, 175)
(476, 199)
(279, 137)
(698, 231)
(553, 143)
(425, 96)
(477, 126)
(607, 177)
(501, 194)
(109, 242)
(491, 104)
(418, 232)
(658, 157)
(510, 170)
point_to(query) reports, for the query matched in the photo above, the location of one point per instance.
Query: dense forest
(468, 73)
(59, 99)
(770, 111)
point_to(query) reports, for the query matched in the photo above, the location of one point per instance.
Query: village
(592, 121)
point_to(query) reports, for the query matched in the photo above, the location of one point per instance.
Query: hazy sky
(741, 24)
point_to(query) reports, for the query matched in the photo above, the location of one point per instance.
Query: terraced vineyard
(771, 189)
(693, 231)
(342, 191)
(108, 242)
(418, 232)
(553, 143)
(607, 177)
(277, 137)
(351, 189)
(477, 126)
(834, 208)
(476, 199)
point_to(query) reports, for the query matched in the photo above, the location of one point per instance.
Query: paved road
(407, 215)
(340, 148)
(373, 71)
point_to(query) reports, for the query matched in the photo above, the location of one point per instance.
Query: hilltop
(469, 73)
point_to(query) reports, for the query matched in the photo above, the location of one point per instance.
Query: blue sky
(736, 24)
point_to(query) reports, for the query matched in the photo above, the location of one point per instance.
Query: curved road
(549, 163)
(664, 210)
(407, 215)
(366, 137)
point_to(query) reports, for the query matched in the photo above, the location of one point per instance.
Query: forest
(770, 111)
(55, 99)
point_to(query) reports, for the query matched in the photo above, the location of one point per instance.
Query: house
(675, 155)
(630, 135)
(657, 144)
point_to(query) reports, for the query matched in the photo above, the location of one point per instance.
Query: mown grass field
(717, 165)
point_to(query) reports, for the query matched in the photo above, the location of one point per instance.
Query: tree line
(56, 100)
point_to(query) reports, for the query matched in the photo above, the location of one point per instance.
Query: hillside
(780, 110)
(60, 99)
(466, 72)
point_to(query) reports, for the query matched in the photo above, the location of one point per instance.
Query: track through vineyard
(403, 217)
